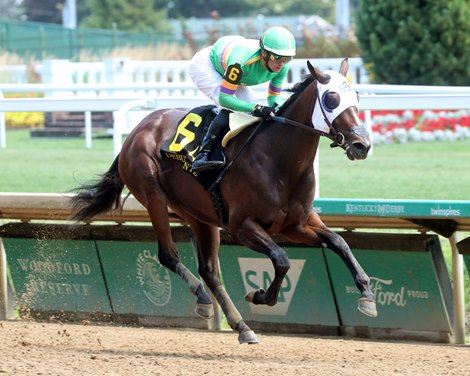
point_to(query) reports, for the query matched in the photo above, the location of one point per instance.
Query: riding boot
(216, 129)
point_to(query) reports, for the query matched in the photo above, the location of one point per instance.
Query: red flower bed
(406, 125)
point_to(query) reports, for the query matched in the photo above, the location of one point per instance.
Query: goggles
(278, 59)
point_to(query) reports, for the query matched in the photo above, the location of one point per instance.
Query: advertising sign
(406, 286)
(57, 275)
(305, 296)
(139, 285)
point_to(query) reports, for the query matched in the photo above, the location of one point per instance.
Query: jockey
(224, 72)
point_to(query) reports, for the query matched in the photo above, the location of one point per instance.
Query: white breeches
(208, 80)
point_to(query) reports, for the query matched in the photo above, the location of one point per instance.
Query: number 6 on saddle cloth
(190, 134)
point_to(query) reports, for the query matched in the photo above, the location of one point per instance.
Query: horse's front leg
(314, 233)
(250, 234)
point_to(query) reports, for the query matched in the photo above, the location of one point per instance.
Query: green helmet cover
(278, 40)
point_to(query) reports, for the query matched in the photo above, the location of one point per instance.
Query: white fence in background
(113, 83)
(14, 73)
(443, 101)
(177, 90)
(125, 70)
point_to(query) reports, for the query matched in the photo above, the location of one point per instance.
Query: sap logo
(258, 274)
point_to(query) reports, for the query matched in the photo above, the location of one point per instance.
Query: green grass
(432, 171)
(50, 165)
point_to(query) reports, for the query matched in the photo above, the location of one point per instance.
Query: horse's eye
(332, 100)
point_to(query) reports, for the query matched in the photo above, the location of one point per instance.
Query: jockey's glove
(264, 112)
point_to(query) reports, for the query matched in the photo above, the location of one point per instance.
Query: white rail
(410, 89)
(368, 102)
(111, 90)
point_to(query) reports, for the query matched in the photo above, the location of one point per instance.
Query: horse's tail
(98, 197)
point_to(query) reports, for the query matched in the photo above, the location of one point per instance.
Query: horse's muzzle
(357, 150)
(359, 145)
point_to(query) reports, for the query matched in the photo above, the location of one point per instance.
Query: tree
(418, 42)
(11, 9)
(136, 16)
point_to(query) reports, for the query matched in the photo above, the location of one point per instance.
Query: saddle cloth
(190, 134)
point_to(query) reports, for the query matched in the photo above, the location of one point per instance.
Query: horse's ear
(318, 74)
(344, 68)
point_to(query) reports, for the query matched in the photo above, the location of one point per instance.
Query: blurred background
(401, 42)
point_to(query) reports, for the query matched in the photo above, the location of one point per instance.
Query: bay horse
(268, 189)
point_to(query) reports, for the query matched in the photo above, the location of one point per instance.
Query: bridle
(333, 134)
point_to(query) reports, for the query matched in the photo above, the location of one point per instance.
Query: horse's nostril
(359, 146)
(360, 149)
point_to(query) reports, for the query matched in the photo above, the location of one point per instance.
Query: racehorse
(267, 189)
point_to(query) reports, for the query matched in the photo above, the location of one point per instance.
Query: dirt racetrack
(31, 348)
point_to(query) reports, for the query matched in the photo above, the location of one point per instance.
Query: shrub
(24, 119)
(321, 46)
(416, 42)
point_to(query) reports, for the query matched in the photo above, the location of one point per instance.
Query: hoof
(367, 307)
(251, 296)
(248, 336)
(206, 311)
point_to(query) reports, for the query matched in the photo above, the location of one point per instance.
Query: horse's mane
(296, 90)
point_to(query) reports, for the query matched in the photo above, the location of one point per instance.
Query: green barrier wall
(408, 277)
(138, 284)
(43, 40)
(121, 278)
(305, 296)
(57, 275)
(118, 272)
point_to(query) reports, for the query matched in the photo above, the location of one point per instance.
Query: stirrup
(203, 165)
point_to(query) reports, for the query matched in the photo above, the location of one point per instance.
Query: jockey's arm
(230, 83)
(273, 95)
(228, 88)
(275, 88)
(231, 102)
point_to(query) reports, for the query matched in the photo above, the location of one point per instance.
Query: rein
(214, 185)
(297, 124)
(307, 128)
(335, 136)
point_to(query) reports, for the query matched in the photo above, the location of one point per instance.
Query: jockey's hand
(264, 112)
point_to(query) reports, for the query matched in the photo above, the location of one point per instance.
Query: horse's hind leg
(168, 253)
(208, 242)
(314, 233)
(139, 172)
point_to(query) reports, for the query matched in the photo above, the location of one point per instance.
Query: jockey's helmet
(279, 41)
